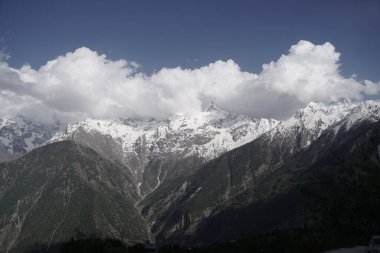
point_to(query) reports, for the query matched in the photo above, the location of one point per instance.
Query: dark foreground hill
(50, 194)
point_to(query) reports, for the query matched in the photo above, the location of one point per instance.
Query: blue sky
(284, 54)
(193, 33)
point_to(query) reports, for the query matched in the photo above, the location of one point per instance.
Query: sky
(106, 59)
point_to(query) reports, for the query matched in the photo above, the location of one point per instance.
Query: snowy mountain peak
(216, 130)
(198, 137)
(368, 107)
(365, 111)
(157, 145)
(19, 135)
(319, 115)
(212, 107)
(308, 123)
(320, 110)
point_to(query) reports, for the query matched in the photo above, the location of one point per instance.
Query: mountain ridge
(181, 196)
(237, 171)
(148, 147)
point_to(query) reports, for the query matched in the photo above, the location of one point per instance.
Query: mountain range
(191, 179)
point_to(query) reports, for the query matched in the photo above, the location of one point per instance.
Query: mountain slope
(250, 173)
(278, 202)
(59, 190)
(158, 170)
(156, 151)
(5, 154)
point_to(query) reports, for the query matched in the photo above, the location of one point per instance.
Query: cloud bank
(84, 84)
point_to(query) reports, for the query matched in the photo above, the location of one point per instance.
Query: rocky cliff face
(19, 136)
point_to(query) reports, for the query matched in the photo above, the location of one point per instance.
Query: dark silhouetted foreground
(342, 210)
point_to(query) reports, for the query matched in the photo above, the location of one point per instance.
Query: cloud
(307, 73)
(85, 84)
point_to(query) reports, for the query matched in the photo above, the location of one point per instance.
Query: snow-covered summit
(365, 111)
(154, 149)
(209, 133)
(213, 107)
(320, 116)
(19, 135)
(308, 123)
(145, 145)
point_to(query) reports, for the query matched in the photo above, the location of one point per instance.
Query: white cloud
(309, 72)
(84, 84)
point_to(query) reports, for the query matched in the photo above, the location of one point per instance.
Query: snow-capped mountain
(146, 145)
(18, 136)
(366, 111)
(262, 169)
(208, 133)
(153, 177)
(308, 123)
(156, 150)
